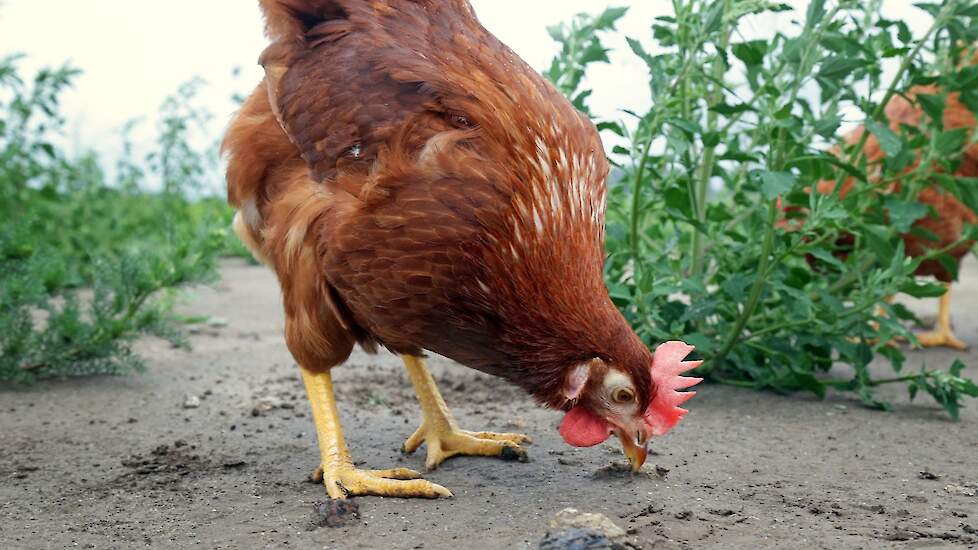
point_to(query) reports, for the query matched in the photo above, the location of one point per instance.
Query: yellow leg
(442, 434)
(341, 478)
(942, 335)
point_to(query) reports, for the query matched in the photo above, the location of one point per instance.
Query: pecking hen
(416, 186)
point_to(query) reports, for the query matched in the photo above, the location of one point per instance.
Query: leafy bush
(738, 126)
(88, 265)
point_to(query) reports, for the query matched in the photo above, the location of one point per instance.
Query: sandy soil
(120, 463)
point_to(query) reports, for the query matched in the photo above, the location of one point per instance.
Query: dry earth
(120, 463)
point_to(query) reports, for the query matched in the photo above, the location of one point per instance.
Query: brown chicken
(417, 186)
(951, 217)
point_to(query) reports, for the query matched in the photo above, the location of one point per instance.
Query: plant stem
(755, 294)
(637, 201)
(776, 161)
(653, 124)
(709, 154)
(832, 383)
(874, 383)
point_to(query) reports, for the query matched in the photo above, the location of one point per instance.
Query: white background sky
(136, 52)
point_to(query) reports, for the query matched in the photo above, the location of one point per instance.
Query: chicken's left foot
(442, 434)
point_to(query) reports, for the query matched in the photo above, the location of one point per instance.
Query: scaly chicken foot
(443, 436)
(942, 335)
(341, 478)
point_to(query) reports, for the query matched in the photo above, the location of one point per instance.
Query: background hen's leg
(442, 434)
(942, 335)
(341, 478)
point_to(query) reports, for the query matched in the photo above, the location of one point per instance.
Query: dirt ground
(123, 463)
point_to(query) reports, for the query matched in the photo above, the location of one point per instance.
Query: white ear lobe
(576, 380)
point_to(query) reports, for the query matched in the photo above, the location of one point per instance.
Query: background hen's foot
(941, 338)
(344, 481)
(447, 441)
(942, 335)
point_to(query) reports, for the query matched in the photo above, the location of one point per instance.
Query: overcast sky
(136, 52)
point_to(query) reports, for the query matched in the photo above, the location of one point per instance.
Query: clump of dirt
(622, 470)
(335, 513)
(170, 464)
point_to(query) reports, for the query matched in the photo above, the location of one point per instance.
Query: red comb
(667, 367)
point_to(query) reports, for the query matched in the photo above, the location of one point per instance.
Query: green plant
(88, 265)
(739, 128)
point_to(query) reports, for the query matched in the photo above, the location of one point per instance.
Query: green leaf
(880, 242)
(951, 142)
(736, 286)
(595, 53)
(889, 140)
(923, 289)
(933, 105)
(611, 127)
(557, 33)
(713, 17)
(838, 67)
(775, 184)
(711, 139)
(816, 13)
(969, 192)
(620, 293)
(610, 17)
(727, 110)
(828, 126)
(689, 127)
(904, 214)
(751, 53)
(639, 50)
(702, 343)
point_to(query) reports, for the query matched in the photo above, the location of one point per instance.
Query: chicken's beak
(634, 448)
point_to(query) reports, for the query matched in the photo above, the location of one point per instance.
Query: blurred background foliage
(89, 262)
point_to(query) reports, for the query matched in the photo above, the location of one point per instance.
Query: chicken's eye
(623, 396)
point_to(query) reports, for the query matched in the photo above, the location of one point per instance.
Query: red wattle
(583, 428)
